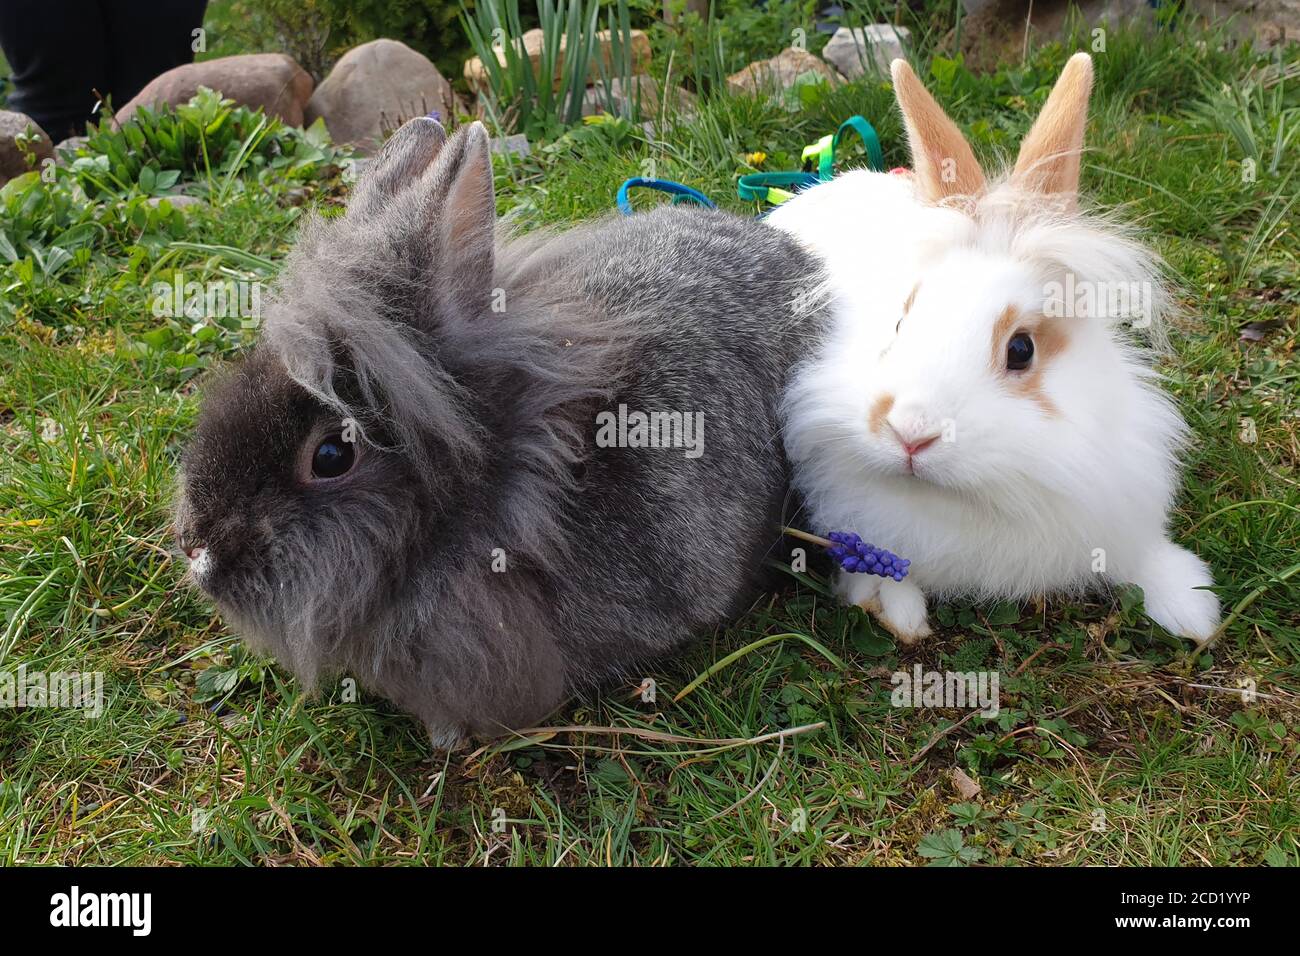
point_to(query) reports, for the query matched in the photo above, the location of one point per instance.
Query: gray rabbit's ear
(398, 165)
(463, 208)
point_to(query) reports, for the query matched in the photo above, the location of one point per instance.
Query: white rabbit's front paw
(902, 611)
(860, 589)
(1175, 586)
(898, 605)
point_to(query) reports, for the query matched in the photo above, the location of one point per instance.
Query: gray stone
(376, 87)
(271, 82)
(13, 162)
(853, 51)
(66, 151)
(516, 145)
(178, 201)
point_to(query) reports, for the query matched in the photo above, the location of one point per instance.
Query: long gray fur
(474, 370)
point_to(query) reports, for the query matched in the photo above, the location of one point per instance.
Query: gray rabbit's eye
(333, 458)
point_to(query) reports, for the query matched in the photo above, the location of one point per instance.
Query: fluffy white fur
(1020, 496)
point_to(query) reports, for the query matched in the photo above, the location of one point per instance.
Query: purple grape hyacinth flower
(852, 554)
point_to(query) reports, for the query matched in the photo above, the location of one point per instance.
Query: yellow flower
(756, 159)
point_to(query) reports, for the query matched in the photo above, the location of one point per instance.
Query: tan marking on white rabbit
(1050, 339)
(911, 297)
(880, 410)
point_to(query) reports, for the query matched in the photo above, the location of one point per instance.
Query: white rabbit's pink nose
(914, 440)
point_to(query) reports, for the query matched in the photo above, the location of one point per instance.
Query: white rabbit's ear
(941, 157)
(1049, 156)
(398, 165)
(464, 211)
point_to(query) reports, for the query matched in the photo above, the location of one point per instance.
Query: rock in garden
(65, 151)
(272, 82)
(374, 89)
(852, 51)
(780, 72)
(516, 145)
(679, 101)
(476, 74)
(13, 161)
(962, 782)
(177, 201)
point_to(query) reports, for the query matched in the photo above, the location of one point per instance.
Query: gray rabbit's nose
(183, 530)
(190, 546)
(185, 541)
(200, 561)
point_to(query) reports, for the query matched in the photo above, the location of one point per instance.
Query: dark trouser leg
(59, 56)
(64, 51)
(145, 38)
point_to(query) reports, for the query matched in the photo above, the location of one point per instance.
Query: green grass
(1110, 749)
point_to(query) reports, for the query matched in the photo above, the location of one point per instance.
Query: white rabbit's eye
(1020, 351)
(333, 458)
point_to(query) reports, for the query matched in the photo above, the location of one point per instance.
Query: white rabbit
(977, 406)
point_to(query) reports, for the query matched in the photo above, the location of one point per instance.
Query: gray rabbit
(439, 471)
